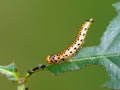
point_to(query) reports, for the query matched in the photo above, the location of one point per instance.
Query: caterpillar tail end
(91, 20)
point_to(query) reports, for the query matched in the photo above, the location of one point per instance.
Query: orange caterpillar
(73, 47)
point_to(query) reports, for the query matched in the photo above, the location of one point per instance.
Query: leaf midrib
(94, 57)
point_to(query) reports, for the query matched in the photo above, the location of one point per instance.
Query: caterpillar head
(50, 59)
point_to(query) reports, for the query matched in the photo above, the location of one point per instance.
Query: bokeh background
(32, 29)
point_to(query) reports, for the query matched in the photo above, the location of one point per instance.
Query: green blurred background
(32, 29)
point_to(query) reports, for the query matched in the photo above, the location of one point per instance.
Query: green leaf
(106, 54)
(10, 72)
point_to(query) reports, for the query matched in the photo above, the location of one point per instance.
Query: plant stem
(21, 87)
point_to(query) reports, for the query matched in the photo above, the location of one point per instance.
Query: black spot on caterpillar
(73, 47)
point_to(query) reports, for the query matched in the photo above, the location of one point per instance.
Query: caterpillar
(73, 47)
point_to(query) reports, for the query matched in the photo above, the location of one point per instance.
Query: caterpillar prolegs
(73, 47)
